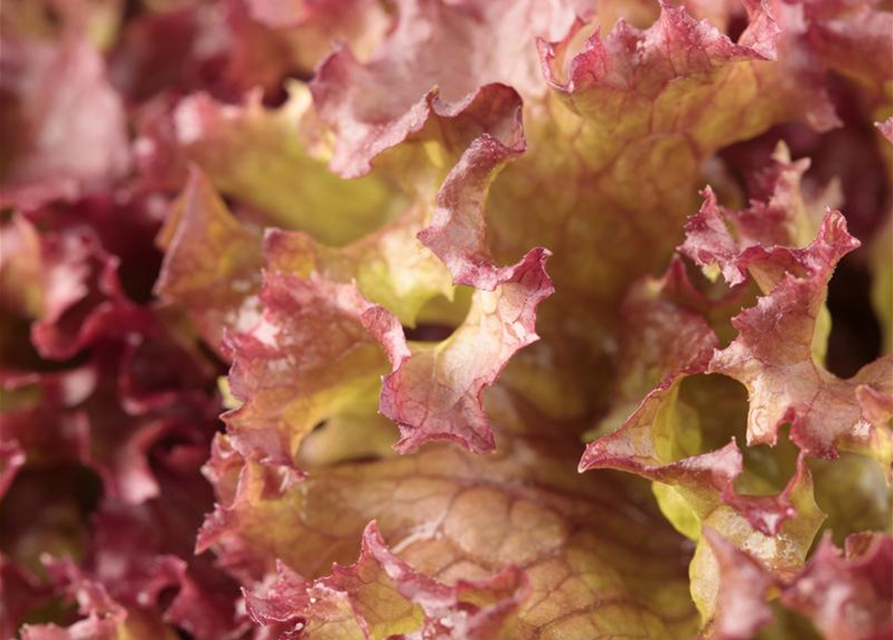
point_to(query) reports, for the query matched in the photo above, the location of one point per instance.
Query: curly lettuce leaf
(212, 262)
(381, 595)
(857, 605)
(609, 123)
(103, 617)
(257, 153)
(430, 68)
(772, 356)
(454, 516)
(286, 379)
(57, 271)
(436, 391)
(390, 266)
(668, 436)
(845, 595)
(279, 380)
(53, 147)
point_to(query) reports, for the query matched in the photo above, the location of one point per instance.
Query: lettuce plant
(446, 319)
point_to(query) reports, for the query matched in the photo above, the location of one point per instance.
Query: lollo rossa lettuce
(446, 319)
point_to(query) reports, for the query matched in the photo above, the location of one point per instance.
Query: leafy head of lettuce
(467, 320)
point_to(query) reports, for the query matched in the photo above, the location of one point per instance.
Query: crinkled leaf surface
(452, 515)
(252, 152)
(333, 218)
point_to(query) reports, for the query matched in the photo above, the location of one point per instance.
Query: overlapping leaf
(368, 193)
(454, 516)
(53, 145)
